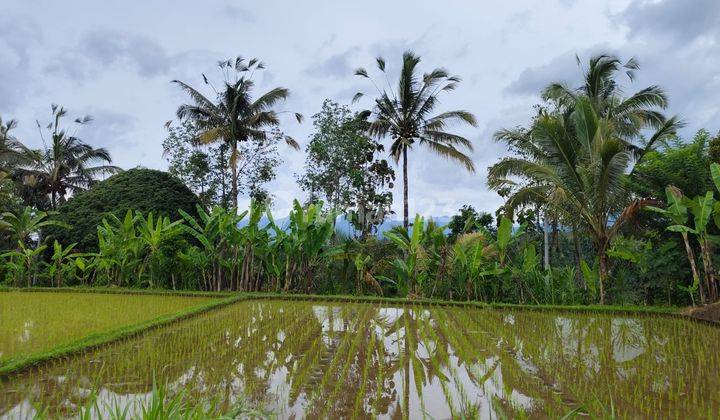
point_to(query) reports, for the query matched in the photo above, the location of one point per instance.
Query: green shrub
(146, 190)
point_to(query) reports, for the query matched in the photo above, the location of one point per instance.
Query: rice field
(32, 322)
(359, 360)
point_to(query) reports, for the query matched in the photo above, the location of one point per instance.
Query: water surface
(310, 359)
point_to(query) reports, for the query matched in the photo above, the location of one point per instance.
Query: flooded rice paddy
(332, 360)
(31, 322)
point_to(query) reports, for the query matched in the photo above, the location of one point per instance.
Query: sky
(115, 60)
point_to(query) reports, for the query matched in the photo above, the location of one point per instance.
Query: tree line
(592, 207)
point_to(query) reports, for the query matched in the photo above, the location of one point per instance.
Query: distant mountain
(343, 226)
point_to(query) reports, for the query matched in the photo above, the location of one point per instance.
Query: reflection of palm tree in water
(347, 360)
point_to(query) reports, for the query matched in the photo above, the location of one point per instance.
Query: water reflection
(302, 359)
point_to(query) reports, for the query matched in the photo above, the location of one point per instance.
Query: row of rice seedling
(353, 337)
(31, 322)
(363, 360)
(600, 361)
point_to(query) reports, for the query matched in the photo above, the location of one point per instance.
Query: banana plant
(152, 232)
(677, 213)
(85, 267)
(218, 235)
(119, 248)
(307, 242)
(364, 273)
(408, 273)
(702, 208)
(23, 263)
(253, 243)
(61, 263)
(474, 262)
(26, 223)
(505, 237)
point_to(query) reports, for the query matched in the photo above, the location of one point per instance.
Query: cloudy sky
(115, 59)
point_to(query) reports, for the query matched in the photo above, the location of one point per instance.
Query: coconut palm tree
(234, 116)
(577, 165)
(12, 151)
(66, 164)
(405, 115)
(575, 159)
(630, 115)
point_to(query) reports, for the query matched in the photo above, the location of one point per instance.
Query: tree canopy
(144, 190)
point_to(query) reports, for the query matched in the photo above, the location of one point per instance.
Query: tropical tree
(23, 227)
(575, 159)
(343, 168)
(629, 115)
(579, 166)
(26, 223)
(67, 164)
(233, 116)
(12, 151)
(405, 115)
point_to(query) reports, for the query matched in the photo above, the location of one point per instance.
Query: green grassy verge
(473, 304)
(629, 310)
(118, 290)
(94, 340)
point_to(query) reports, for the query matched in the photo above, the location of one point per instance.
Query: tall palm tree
(66, 164)
(629, 115)
(233, 116)
(12, 151)
(405, 115)
(576, 160)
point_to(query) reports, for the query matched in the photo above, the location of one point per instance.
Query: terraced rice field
(32, 322)
(311, 359)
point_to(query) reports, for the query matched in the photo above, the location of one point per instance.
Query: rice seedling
(358, 360)
(34, 322)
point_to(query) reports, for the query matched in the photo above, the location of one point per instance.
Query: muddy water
(306, 359)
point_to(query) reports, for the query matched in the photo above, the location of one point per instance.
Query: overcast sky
(115, 59)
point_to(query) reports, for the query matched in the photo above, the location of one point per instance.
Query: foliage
(143, 190)
(470, 221)
(343, 169)
(405, 115)
(203, 168)
(702, 208)
(576, 157)
(68, 165)
(682, 164)
(233, 116)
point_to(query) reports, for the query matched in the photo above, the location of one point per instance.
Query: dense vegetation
(604, 202)
(144, 190)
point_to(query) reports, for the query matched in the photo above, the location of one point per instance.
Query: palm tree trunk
(602, 256)
(546, 245)
(233, 160)
(581, 281)
(405, 189)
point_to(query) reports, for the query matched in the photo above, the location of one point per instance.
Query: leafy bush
(144, 190)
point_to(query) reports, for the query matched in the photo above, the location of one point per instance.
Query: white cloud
(116, 62)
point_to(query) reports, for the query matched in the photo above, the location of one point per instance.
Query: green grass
(115, 330)
(118, 290)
